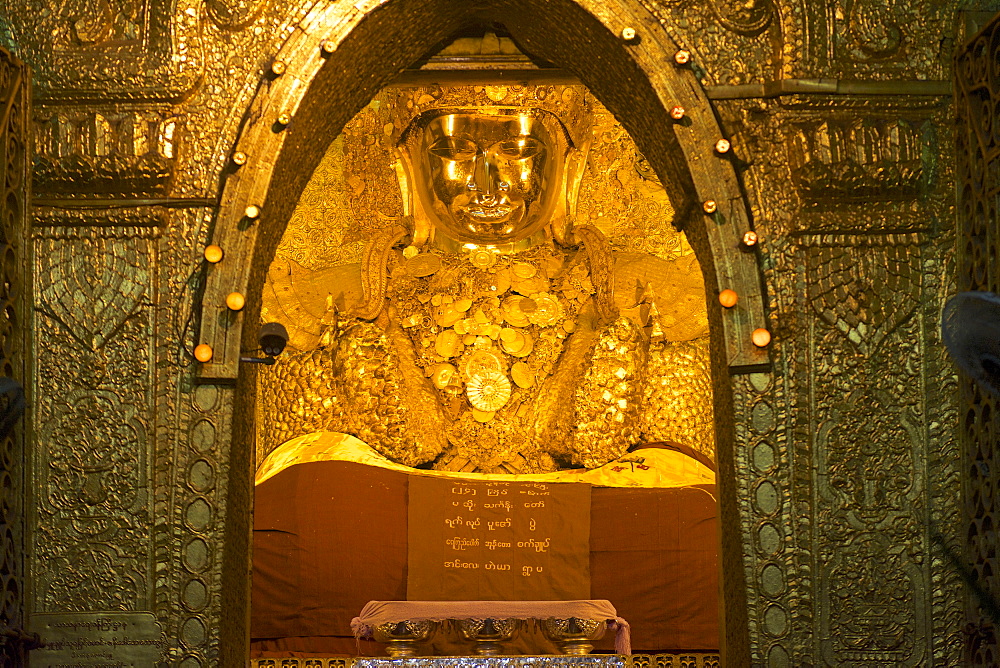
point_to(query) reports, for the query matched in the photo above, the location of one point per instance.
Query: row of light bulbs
(235, 301)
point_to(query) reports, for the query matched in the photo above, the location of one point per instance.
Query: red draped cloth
(331, 536)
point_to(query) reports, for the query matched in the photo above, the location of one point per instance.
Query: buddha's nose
(484, 180)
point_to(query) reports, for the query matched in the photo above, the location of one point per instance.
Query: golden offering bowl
(573, 635)
(488, 633)
(401, 638)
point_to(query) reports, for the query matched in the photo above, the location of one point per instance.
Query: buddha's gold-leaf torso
(489, 362)
(554, 414)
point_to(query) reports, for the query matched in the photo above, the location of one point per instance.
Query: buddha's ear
(412, 209)
(565, 213)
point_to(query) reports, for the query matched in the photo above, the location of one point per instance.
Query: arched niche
(340, 55)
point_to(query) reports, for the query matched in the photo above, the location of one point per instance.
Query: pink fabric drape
(376, 613)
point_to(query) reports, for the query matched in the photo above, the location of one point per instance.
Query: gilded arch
(331, 66)
(636, 80)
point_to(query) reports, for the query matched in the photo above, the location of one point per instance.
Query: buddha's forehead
(492, 125)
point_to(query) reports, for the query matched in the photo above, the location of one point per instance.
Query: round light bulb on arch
(235, 301)
(728, 298)
(203, 352)
(760, 337)
(213, 254)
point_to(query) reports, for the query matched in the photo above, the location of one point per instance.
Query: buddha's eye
(454, 148)
(519, 148)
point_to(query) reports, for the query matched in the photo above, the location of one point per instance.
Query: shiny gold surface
(662, 467)
(355, 189)
(135, 469)
(684, 660)
(672, 415)
(488, 634)
(487, 176)
(403, 639)
(489, 328)
(573, 636)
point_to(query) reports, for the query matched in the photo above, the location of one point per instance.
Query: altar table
(331, 536)
(376, 613)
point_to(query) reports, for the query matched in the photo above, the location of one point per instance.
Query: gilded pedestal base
(686, 660)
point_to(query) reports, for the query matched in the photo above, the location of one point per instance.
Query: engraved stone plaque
(97, 639)
(477, 540)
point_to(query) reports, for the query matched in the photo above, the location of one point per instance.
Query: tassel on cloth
(361, 630)
(623, 636)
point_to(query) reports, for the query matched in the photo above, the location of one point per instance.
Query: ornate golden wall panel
(15, 295)
(848, 446)
(844, 448)
(82, 152)
(133, 49)
(977, 151)
(95, 384)
(874, 40)
(736, 42)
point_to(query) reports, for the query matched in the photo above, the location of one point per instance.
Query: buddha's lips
(489, 214)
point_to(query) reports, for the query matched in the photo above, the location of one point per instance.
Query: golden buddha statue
(488, 333)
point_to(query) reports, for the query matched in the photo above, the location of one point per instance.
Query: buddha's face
(487, 178)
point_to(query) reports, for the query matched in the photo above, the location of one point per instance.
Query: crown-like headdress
(570, 104)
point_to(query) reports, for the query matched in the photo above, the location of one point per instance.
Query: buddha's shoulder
(637, 270)
(340, 283)
(305, 300)
(676, 286)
